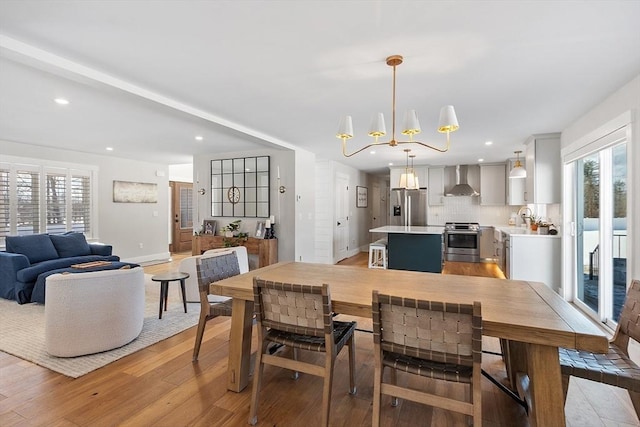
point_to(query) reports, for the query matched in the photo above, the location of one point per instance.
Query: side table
(164, 280)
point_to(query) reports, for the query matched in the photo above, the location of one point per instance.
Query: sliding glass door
(601, 231)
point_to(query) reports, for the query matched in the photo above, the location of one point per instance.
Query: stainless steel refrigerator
(408, 207)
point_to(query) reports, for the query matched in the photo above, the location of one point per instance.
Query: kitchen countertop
(414, 229)
(524, 232)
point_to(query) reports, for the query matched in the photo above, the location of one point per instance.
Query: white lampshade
(518, 171)
(345, 129)
(448, 119)
(411, 123)
(377, 127)
(408, 181)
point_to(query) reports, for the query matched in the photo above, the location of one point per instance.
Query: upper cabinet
(436, 185)
(543, 182)
(516, 187)
(492, 185)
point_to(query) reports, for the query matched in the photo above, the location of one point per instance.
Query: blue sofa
(27, 257)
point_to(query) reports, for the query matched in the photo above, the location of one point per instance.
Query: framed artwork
(134, 192)
(362, 197)
(209, 226)
(260, 230)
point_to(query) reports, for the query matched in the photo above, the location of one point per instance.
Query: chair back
(240, 251)
(438, 331)
(629, 322)
(293, 308)
(213, 268)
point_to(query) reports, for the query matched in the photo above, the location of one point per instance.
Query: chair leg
(635, 399)
(378, 371)
(394, 380)
(199, 334)
(295, 374)
(477, 401)
(352, 365)
(326, 390)
(565, 386)
(257, 379)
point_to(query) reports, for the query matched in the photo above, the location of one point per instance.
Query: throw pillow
(36, 247)
(70, 244)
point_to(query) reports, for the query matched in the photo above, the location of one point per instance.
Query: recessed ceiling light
(390, 164)
(61, 101)
(488, 143)
(372, 152)
(481, 160)
(109, 148)
(199, 138)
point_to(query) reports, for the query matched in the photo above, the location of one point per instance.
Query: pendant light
(408, 179)
(518, 171)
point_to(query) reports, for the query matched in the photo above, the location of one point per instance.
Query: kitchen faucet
(522, 211)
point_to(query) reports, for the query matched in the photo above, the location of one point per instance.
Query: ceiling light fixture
(199, 138)
(408, 179)
(448, 122)
(518, 171)
(61, 101)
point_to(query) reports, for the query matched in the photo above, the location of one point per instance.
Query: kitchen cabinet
(487, 250)
(435, 187)
(492, 185)
(542, 156)
(516, 187)
(394, 177)
(534, 258)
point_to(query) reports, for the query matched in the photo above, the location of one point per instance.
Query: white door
(377, 207)
(341, 231)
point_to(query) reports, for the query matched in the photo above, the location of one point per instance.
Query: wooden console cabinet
(266, 249)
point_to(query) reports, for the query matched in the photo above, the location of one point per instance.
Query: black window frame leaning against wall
(241, 187)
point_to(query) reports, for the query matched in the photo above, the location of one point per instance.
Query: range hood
(462, 188)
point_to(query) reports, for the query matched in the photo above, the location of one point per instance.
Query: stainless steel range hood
(462, 188)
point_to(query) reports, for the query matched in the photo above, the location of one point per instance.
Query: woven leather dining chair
(211, 269)
(299, 316)
(437, 340)
(614, 367)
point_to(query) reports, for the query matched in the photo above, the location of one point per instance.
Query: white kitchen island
(414, 248)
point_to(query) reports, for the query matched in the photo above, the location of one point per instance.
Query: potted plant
(232, 236)
(534, 222)
(231, 229)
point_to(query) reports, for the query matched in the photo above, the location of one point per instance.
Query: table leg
(240, 344)
(161, 299)
(539, 381)
(184, 296)
(166, 295)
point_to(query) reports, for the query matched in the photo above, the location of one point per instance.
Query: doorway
(181, 216)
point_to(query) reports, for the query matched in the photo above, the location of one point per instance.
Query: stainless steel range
(462, 241)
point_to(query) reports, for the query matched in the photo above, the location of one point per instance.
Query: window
(38, 199)
(240, 187)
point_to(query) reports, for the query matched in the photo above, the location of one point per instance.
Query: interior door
(377, 207)
(341, 230)
(181, 216)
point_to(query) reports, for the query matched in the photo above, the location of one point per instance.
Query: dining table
(531, 320)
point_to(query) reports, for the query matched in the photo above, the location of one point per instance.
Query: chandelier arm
(393, 109)
(373, 144)
(441, 150)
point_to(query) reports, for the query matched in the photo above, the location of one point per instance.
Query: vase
(228, 234)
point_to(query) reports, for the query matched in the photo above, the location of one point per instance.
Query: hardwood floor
(160, 386)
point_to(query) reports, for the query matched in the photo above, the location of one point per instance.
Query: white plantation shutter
(56, 202)
(5, 212)
(81, 203)
(27, 201)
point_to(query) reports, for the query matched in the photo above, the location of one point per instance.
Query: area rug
(22, 331)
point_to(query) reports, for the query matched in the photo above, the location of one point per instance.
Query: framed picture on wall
(362, 197)
(260, 230)
(209, 226)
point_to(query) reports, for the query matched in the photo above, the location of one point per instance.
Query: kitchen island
(414, 248)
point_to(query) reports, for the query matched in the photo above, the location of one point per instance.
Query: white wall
(598, 122)
(181, 173)
(123, 225)
(305, 201)
(282, 204)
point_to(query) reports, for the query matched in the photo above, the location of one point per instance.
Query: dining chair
(210, 269)
(614, 367)
(300, 317)
(437, 340)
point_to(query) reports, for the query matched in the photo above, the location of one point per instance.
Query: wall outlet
(141, 245)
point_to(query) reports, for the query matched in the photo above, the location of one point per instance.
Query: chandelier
(448, 122)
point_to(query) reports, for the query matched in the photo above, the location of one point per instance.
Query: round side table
(164, 280)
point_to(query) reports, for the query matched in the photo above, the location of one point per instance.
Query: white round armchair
(91, 312)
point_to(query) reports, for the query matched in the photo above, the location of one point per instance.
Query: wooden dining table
(530, 318)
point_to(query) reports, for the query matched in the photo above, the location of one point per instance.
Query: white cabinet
(421, 173)
(536, 259)
(516, 187)
(492, 185)
(543, 182)
(394, 177)
(436, 185)
(487, 249)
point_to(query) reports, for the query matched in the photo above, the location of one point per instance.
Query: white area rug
(22, 331)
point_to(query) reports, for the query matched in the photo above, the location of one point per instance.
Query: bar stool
(378, 254)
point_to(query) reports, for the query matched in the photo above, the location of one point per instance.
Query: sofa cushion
(70, 244)
(30, 274)
(36, 247)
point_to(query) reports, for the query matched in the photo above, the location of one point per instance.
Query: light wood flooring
(160, 386)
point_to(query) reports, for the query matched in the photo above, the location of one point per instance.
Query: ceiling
(146, 77)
